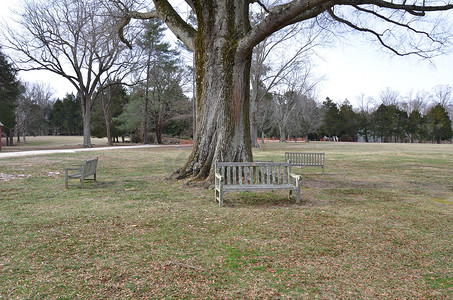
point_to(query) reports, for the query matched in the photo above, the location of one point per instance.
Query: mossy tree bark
(223, 76)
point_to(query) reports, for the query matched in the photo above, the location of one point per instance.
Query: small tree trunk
(86, 114)
(158, 129)
(282, 134)
(145, 121)
(253, 125)
(106, 109)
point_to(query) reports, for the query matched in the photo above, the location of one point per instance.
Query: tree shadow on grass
(107, 183)
(265, 199)
(98, 184)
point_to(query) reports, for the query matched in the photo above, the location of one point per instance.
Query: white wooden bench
(254, 176)
(87, 169)
(301, 159)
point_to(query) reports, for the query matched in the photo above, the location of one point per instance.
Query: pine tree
(161, 80)
(10, 90)
(438, 124)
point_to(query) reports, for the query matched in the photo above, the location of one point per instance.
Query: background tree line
(159, 104)
(420, 117)
(145, 90)
(293, 115)
(152, 99)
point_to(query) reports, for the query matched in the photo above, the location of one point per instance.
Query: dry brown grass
(377, 225)
(51, 142)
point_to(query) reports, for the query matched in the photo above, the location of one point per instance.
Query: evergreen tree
(111, 104)
(331, 120)
(415, 126)
(66, 116)
(388, 122)
(364, 118)
(348, 121)
(438, 124)
(160, 86)
(10, 90)
(381, 120)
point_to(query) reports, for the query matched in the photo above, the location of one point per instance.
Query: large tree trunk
(223, 84)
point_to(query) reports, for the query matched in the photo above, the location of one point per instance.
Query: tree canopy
(223, 37)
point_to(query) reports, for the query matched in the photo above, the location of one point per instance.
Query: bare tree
(264, 116)
(443, 95)
(309, 116)
(288, 104)
(75, 39)
(223, 40)
(389, 96)
(275, 58)
(32, 112)
(415, 101)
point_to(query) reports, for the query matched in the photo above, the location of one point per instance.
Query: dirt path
(40, 152)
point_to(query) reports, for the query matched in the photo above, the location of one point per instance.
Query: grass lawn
(378, 225)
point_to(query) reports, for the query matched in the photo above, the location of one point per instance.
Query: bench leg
(298, 191)
(219, 194)
(66, 179)
(81, 181)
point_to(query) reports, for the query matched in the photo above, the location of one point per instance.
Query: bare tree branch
(191, 4)
(261, 4)
(299, 10)
(379, 36)
(380, 16)
(164, 11)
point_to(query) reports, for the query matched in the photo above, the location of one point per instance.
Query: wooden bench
(254, 176)
(301, 159)
(87, 169)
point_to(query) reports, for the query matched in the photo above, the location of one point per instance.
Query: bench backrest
(249, 173)
(89, 167)
(305, 159)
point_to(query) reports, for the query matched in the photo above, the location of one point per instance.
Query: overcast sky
(356, 69)
(350, 70)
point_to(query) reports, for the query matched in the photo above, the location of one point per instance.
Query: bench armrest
(78, 168)
(219, 177)
(297, 177)
(219, 181)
